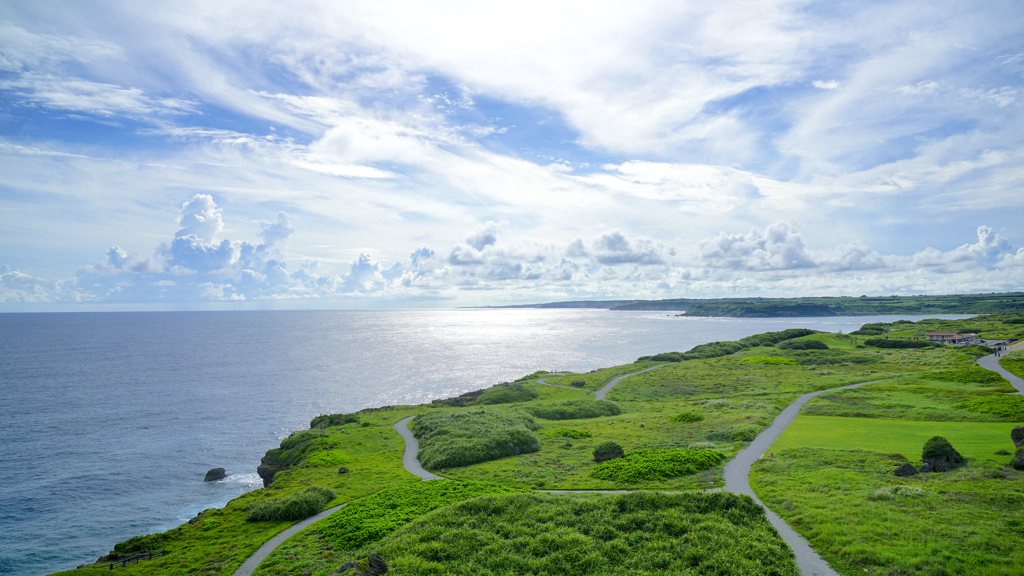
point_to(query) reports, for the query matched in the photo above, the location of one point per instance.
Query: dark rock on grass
(343, 470)
(906, 470)
(926, 467)
(941, 455)
(1018, 460)
(1017, 435)
(608, 451)
(515, 450)
(372, 566)
(215, 474)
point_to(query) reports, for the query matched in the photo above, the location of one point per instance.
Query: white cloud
(779, 247)
(273, 233)
(826, 84)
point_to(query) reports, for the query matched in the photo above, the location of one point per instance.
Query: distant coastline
(817, 306)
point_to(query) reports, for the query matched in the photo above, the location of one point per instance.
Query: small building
(951, 337)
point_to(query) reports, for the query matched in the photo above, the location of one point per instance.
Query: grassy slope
(1013, 363)
(733, 396)
(828, 470)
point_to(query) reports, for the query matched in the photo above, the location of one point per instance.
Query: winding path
(990, 362)
(412, 448)
(736, 473)
(600, 394)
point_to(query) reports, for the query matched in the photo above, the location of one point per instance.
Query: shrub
(769, 360)
(719, 436)
(656, 465)
(452, 438)
(883, 343)
(592, 535)
(871, 330)
(727, 347)
(579, 383)
(569, 433)
(507, 394)
(327, 420)
(802, 345)
(293, 507)
(369, 519)
(969, 376)
(831, 357)
(1010, 407)
(745, 435)
(891, 492)
(937, 448)
(607, 451)
(575, 410)
(687, 417)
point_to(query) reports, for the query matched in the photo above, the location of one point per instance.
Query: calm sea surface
(110, 420)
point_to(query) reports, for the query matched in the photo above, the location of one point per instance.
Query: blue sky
(391, 154)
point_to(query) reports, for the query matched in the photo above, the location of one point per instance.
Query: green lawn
(975, 440)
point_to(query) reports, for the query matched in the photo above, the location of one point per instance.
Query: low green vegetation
(608, 451)
(864, 520)
(687, 417)
(831, 474)
(588, 535)
(1007, 407)
(1013, 363)
(569, 433)
(295, 506)
(656, 465)
(452, 438)
(575, 410)
(506, 394)
(725, 348)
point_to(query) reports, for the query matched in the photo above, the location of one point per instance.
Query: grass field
(975, 440)
(1013, 363)
(593, 535)
(831, 477)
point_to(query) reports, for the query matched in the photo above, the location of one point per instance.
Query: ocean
(110, 420)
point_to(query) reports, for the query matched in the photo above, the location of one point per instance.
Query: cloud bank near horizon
(195, 265)
(465, 153)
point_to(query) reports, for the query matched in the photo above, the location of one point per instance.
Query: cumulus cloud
(779, 247)
(200, 217)
(484, 235)
(613, 247)
(272, 233)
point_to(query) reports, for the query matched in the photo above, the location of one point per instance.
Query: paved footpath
(600, 394)
(736, 473)
(990, 362)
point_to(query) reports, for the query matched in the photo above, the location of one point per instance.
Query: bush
(607, 451)
(883, 343)
(297, 506)
(727, 347)
(1010, 407)
(369, 519)
(656, 465)
(569, 433)
(769, 360)
(593, 535)
(969, 376)
(327, 420)
(687, 417)
(938, 447)
(579, 383)
(802, 345)
(745, 435)
(871, 330)
(460, 437)
(507, 394)
(575, 410)
(831, 357)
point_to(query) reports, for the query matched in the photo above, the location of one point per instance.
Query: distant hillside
(1002, 303)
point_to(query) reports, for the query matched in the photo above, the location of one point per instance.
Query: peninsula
(660, 466)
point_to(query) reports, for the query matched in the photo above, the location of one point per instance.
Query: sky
(325, 154)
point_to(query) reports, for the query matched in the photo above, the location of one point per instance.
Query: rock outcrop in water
(215, 474)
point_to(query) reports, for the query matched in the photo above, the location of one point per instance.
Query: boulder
(215, 474)
(906, 470)
(1017, 435)
(926, 467)
(941, 455)
(515, 450)
(343, 470)
(372, 566)
(1018, 461)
